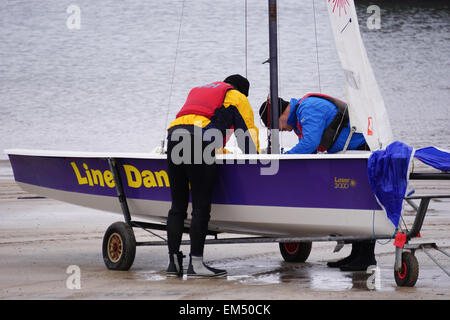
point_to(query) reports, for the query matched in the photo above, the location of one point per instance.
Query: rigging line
(374, 235)
(404, 223)
(280, 135)
(317, 47)
(246, 41)
(278, 52)
(173, 73)
(342, 120)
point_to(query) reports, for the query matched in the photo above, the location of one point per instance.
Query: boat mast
(274, 143)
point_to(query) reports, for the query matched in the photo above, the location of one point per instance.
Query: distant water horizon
(113, 84)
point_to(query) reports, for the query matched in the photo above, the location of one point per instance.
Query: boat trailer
(119, 243)
(406, 266)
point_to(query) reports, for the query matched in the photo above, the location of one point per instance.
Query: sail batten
(366, 106)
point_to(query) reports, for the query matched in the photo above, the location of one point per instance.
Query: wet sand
(41, 238)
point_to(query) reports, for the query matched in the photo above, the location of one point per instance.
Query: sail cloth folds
(366, 106)
(388, 173)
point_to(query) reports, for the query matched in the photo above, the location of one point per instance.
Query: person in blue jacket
(311, 118)
(321, 123)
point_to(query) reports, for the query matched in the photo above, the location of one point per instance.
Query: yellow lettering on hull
(80, 179)
(134, 177)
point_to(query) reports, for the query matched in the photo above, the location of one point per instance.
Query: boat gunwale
(352, 154)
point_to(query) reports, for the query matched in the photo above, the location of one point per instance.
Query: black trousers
(201, 178)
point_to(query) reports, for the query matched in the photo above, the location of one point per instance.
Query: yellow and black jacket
(218, 105)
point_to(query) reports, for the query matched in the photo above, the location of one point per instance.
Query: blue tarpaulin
(388, 173)
(434, 157)
(388, 177)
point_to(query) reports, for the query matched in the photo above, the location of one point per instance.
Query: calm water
(112, 85)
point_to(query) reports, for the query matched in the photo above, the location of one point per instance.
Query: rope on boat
(374, 234)
(173, 75)
(317, 46)
(246, 41)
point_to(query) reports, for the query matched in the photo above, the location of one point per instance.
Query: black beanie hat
(239, 83)
(282, 105)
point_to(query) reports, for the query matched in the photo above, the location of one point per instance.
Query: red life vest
(331, 133)
(204, 100)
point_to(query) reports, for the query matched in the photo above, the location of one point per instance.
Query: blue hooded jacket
(315, 115)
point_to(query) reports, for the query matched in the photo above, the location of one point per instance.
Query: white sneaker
(198, 269)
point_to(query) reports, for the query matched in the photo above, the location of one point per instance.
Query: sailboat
(272, 196)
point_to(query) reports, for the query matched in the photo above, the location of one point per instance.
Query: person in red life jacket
(321, 123)
(219, 106)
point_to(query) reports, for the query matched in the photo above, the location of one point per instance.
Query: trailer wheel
(119, 246)
(409, 273)
(295, 251)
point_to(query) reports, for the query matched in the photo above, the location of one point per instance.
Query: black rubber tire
(119, 246)
(408, 275)
(295, 251)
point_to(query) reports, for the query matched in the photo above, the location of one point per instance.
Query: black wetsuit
(202, 178)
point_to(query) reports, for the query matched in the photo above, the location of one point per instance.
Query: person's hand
(159, 150)
(223, 151)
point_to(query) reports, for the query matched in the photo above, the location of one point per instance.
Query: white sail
(366, 106)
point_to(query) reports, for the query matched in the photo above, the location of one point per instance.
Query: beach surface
(45, 243)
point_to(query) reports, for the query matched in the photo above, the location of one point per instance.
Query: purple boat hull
(304, 196)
